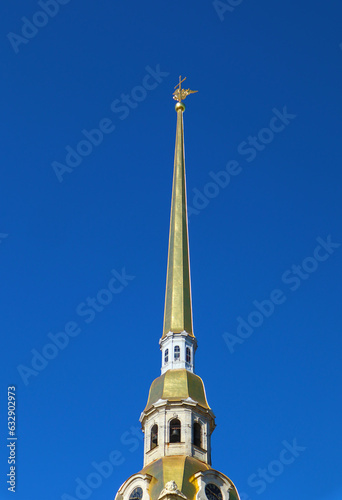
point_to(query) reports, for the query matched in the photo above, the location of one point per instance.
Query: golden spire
(178, 309)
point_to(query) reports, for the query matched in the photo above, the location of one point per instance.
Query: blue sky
(88, 134)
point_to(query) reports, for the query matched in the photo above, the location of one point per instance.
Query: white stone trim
(138, 480)
(187, 413)
(183, 340)
(201, 479)
(171, 492)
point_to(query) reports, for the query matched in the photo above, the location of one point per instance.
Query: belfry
(177, 421)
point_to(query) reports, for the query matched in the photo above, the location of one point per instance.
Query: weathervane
(180, 94)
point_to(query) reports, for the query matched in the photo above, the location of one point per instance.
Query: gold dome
(179, 469)
(177, 385)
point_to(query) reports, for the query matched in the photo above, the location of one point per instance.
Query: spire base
(178, 351)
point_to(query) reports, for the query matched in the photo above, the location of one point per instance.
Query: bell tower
(177, 421)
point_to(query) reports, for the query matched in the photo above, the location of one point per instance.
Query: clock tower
(177, 420)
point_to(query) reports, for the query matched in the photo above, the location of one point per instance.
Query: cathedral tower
(177, 421)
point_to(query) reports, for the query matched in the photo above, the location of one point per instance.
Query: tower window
(166, 356)
(175, 431)
(177, 353)
(136, 494)
(213, 492)
(188, 355)
(154, 436)
(196, 434)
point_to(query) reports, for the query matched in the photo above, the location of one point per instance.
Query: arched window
(166, 356)
(175, 431)
(212, 491)
(196, 434)
(154, 436)
(188, 355)
(136, 494)
(177, 353)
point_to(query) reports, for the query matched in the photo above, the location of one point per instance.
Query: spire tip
(180, 94)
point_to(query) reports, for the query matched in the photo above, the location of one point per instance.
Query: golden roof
(179, 469)
(177, 385)
(178, 312)
(176, 468)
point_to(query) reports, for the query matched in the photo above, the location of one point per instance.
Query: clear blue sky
(269, 110)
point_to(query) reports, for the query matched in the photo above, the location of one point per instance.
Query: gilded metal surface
(174, 468)
(196, 389)
(180, 94)
(176, 385)
(177, 312)
(178, 468)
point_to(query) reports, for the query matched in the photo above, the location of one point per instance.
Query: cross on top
(180, 94)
